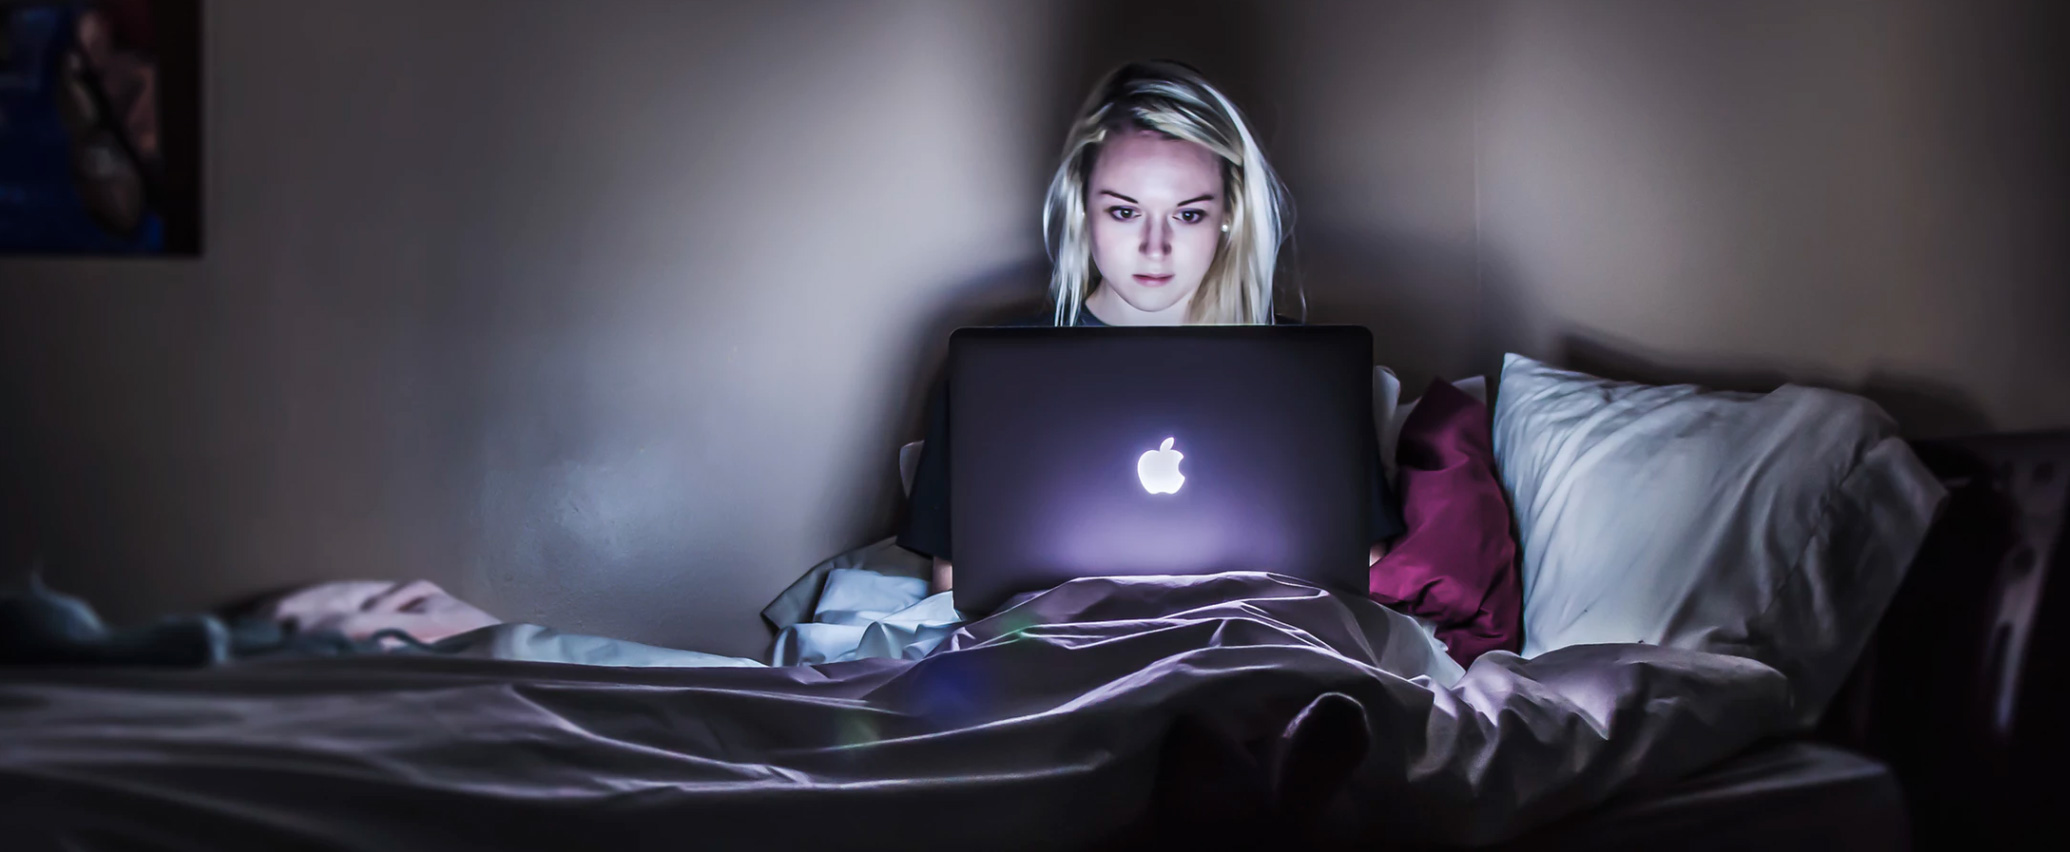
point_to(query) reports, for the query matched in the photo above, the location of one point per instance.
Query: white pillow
(1389, 412)
(1772, 526)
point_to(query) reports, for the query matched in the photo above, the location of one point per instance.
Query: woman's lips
(1154, 280)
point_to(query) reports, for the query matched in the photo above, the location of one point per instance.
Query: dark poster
(100, 127)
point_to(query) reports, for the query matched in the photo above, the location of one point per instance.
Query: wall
(1862, 195)
(605, 315)
(1377, 146)
(1859, 194)
(609, 315)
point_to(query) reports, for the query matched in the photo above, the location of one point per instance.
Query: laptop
(1169, 450)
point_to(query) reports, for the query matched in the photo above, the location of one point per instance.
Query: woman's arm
(926, 529)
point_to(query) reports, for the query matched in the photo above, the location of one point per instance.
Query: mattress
(1776, 797)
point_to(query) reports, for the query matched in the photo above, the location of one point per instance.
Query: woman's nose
(1157, 238)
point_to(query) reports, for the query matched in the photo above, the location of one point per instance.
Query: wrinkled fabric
(862, 614)
(41, 626)
(1036, 727)
(540, 644)
(360, 608)
(1456, 565)
(1391, 413)
(798, 601)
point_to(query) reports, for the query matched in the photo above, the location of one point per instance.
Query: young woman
(1163, 212)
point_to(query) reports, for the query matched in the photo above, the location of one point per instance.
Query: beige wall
(606, 315)
(1377, 146)
(1865, 195)
(609, 315)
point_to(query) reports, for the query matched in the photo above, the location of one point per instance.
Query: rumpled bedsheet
(1038, 726)
(857, 613)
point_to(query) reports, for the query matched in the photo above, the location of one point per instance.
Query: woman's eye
(1123, 213)
(1191, 217)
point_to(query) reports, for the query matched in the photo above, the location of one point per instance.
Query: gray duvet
(1042, 726)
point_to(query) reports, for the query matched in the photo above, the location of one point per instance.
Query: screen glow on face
(1159, 469)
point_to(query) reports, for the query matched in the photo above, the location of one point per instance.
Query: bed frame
(1962, 690)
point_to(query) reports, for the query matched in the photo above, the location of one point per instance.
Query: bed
(1047, 725)
(1932, 742)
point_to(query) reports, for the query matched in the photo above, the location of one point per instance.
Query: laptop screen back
(1133, 451)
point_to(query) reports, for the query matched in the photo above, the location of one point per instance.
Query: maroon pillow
(1457, 563)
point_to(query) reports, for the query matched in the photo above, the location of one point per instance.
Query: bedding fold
(1039, 726)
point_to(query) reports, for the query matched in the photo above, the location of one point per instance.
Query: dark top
(926, 529)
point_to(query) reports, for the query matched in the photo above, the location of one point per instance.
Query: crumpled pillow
(1772, 526)
(1390, 412)
(1456, 563)
(360, 608)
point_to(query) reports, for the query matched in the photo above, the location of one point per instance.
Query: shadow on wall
(1511, 320)
(1002, 295)
(1922, 407)
(1405, 290)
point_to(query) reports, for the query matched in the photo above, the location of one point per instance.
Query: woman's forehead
(1149, 166)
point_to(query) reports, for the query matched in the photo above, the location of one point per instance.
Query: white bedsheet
(541, 644)
(861, 614)
(1037, 727)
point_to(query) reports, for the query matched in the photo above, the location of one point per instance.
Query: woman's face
(1156, 211)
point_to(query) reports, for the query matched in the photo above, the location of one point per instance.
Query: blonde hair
(1175, 100)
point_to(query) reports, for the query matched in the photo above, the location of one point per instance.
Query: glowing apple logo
(1159, 470)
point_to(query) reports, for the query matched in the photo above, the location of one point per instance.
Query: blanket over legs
(1037, 727)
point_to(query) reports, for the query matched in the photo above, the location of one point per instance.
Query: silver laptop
(1172, 450)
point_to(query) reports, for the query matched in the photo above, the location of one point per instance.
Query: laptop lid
(1168, 450)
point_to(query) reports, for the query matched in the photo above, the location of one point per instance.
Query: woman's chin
(1151, 300)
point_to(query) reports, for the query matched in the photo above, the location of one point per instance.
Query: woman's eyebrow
(1208, 197)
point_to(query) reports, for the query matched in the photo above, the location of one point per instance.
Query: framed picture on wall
(100, 127)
